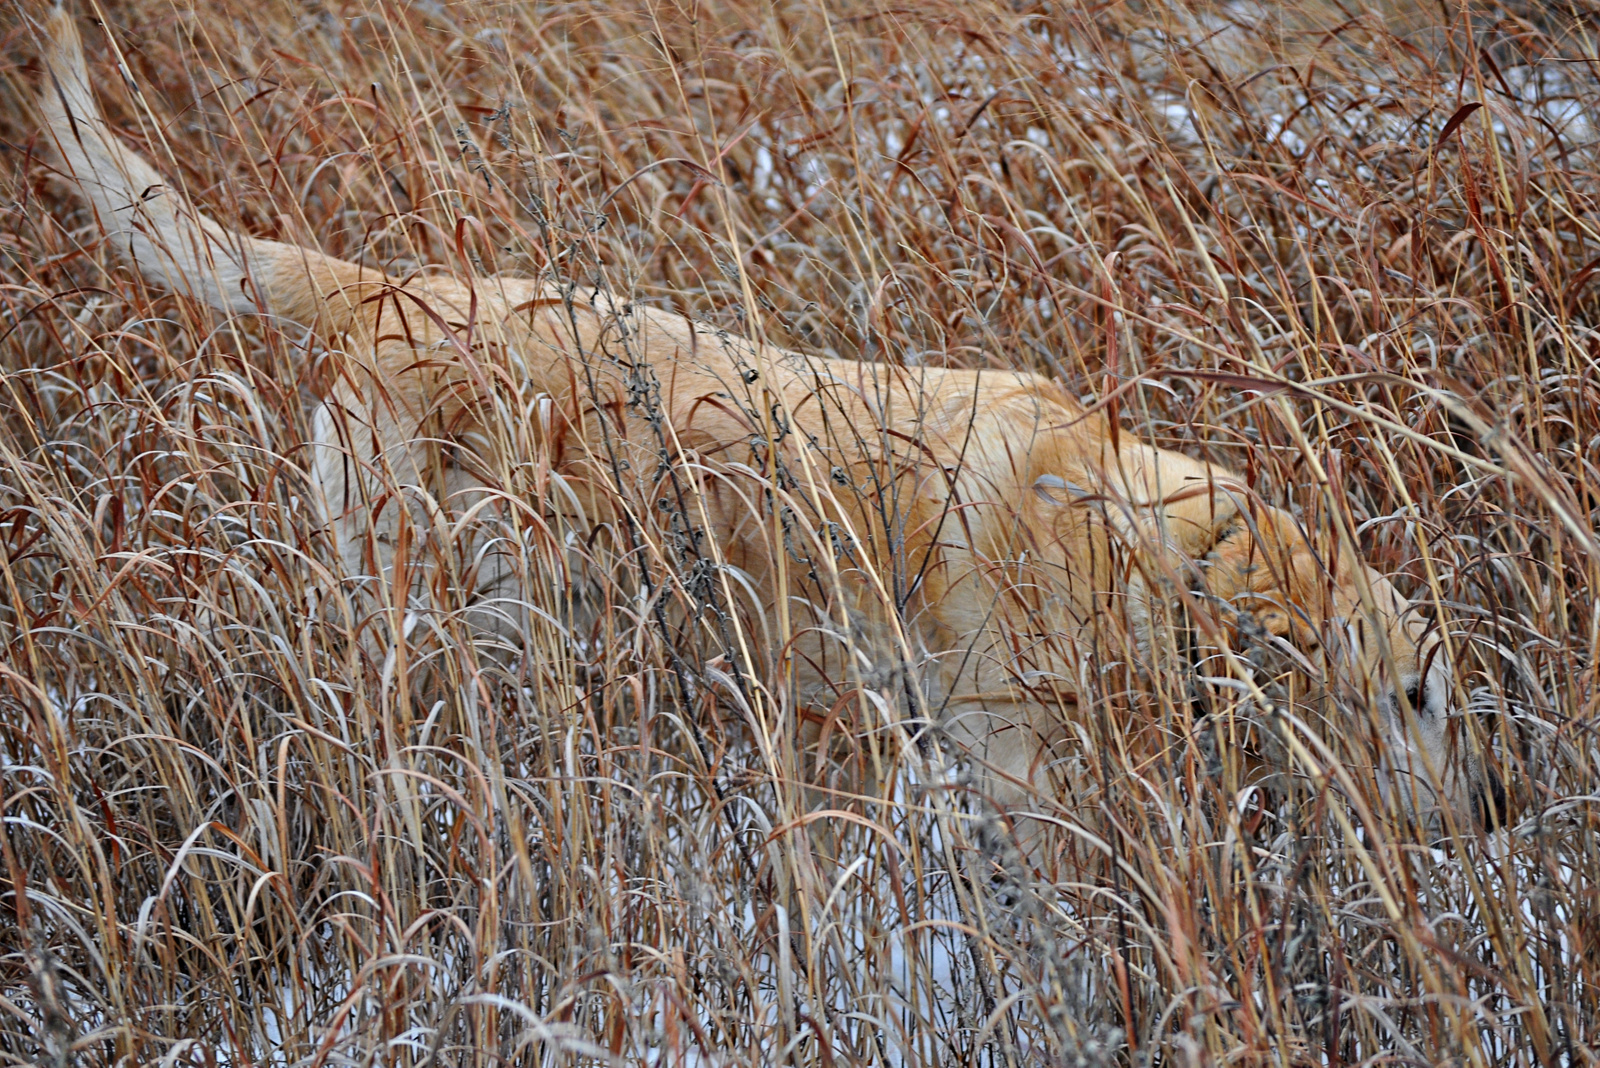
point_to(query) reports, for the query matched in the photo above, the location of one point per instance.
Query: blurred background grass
(1287, 236)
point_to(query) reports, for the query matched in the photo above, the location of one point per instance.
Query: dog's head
(1389, 661)
(1386, 660)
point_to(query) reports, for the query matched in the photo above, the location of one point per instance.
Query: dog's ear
(1260, 565)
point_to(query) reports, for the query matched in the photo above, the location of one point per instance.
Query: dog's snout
(1494, 807)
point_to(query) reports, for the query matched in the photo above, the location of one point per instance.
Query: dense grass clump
(1350, 251)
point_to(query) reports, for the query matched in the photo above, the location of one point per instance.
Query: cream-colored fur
(953, 543)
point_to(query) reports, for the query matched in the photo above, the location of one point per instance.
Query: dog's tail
(160, 231)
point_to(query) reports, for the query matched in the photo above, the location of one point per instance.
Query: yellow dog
(954, 540)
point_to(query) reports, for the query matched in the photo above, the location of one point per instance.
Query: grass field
(1352, 252)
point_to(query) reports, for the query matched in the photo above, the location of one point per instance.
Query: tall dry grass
(1284, 241)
